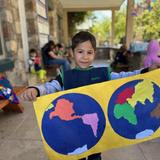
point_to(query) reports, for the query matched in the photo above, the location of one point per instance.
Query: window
(5, 63)
(1, 43)
(41, 8)
(43, 25)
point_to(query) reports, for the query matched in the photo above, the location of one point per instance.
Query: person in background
(121, 59)
(34, 61)
(84, 51)
(50, 57)
(62, 51)
(121, 56)
(153, 53)
(31, 59)
(37, 62)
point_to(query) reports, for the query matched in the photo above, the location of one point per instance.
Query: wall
(39, 31)
(56, 22)
(12, 39)
(41, 27)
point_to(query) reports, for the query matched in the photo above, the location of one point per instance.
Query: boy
(34, 61)
(83, 47)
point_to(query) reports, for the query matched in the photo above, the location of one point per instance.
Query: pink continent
(92, 120)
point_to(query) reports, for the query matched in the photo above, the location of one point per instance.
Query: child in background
(60, 50)
(84, 51)
(121, 59)
(35, 65)
(37, 62)
(153, 53)
(34, 61)
(121, 55)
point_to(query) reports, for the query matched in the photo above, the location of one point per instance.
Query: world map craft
(95, 118)
(83, 127)
(128, 104)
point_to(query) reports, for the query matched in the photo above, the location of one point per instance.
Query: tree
(148, 23)
(76, 18)
(101, 30)
(120, 25)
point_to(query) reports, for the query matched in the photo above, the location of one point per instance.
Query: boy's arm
(122, 74)
(32, 92)
(48, 87)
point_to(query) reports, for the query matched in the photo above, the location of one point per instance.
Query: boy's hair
(32, 50)
(81, 37)
(59, 45)
(51, 43)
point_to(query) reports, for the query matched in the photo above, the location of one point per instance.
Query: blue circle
(73, 136)
(146, 124)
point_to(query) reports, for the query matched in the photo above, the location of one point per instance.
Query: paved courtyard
(20, 140)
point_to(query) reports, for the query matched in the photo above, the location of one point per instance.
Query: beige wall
(56, 22)
(11, 30)
(12, 39)
(35, 31)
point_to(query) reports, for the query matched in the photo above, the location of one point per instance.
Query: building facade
(26, 24)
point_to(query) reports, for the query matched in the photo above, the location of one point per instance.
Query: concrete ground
(20, 140)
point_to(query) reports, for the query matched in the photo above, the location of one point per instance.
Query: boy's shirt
(80, 77)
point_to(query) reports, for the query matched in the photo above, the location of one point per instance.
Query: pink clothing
(152, 53)
(37, 60)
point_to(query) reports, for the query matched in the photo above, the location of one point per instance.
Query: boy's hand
(154, 66)
(29, 94)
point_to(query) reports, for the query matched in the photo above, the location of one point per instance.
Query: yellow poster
(91, 119)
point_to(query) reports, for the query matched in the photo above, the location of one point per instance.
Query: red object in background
(37, 60)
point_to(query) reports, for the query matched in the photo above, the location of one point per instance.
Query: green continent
(49, 107)
(126, 111)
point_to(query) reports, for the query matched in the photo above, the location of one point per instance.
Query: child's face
(33, 54)
(84, 54)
